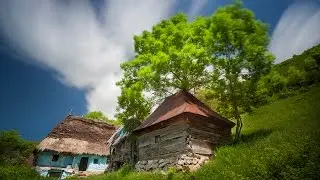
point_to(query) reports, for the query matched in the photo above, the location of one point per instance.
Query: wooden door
(83, 163)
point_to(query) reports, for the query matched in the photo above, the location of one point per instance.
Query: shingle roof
(181, 102)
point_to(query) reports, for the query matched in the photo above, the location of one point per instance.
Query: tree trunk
(239, 125)
(235, 108)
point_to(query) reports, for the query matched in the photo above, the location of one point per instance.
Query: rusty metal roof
(181, 102)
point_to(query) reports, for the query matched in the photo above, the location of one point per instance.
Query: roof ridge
(178, 103)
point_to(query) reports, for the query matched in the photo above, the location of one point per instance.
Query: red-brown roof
(181, 102)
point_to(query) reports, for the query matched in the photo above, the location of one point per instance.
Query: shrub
(13, 149)
(125, 169)
(20, 172)
(295, 77)
(271, 84)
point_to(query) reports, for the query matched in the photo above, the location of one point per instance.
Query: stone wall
(184, 162)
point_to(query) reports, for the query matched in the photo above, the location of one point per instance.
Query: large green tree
(238, 43)
(169, 57)
(226, 52)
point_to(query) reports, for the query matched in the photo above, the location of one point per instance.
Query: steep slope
(280, 140)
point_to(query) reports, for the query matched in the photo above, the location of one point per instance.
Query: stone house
(182, 132)
(76, 146)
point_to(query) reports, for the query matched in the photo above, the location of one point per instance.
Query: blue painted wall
(45, 159)
(101, 165)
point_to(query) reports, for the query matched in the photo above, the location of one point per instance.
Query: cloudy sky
(61, 55)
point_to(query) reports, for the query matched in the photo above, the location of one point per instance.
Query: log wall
(162, 143)
(204, 137)
(185, 145)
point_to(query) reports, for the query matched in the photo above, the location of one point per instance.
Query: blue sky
(62, 55)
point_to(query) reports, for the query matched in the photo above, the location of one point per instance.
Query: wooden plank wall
(171, 142)
(205, 136)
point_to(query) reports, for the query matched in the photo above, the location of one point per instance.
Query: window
(95, 161)
(157, 139)
(55, 157)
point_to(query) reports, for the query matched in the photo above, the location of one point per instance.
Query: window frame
(95, 161)
(55, 157)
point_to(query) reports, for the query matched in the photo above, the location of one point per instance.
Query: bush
(20, 172)
(295, 77)
(13, 149)
(271, 84)
(125, 169)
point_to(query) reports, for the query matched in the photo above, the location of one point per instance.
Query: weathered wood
(201, 147)
(170, 140)
(205, 135)
(165, 133)
(209, 127)
(166, 130)
(178, 120)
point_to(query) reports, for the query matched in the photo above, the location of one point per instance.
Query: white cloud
(297, 30)
(196, 7)
(66, 36)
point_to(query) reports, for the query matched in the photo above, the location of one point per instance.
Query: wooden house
(182, 132)
(75, 146)
(122, 149)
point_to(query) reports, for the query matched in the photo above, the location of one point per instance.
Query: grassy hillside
(300, 61)
(280, 141)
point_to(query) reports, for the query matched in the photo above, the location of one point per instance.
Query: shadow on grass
(253, 136)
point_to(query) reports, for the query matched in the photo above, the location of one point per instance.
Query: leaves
(98, 115)
(226, 52)
(172, 56)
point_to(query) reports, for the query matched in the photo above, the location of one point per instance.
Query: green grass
(279, 141)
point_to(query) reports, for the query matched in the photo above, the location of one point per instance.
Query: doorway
(83, 163)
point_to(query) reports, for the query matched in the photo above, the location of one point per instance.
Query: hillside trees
(238, 43)
(296, 73)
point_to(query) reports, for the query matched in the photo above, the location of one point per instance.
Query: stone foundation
(184, 162)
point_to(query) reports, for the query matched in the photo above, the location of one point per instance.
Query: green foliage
(312, 70)
(171, 56)
(14, 150)
(132, 106)
(207, 96)
(295, 74)
(308, 63)
(98, 115)
(238, 42)
(125, 169)
(19, 172)
(116, 122)
(171, 172)
(270, 84)
(296, 77)
(178, 54)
